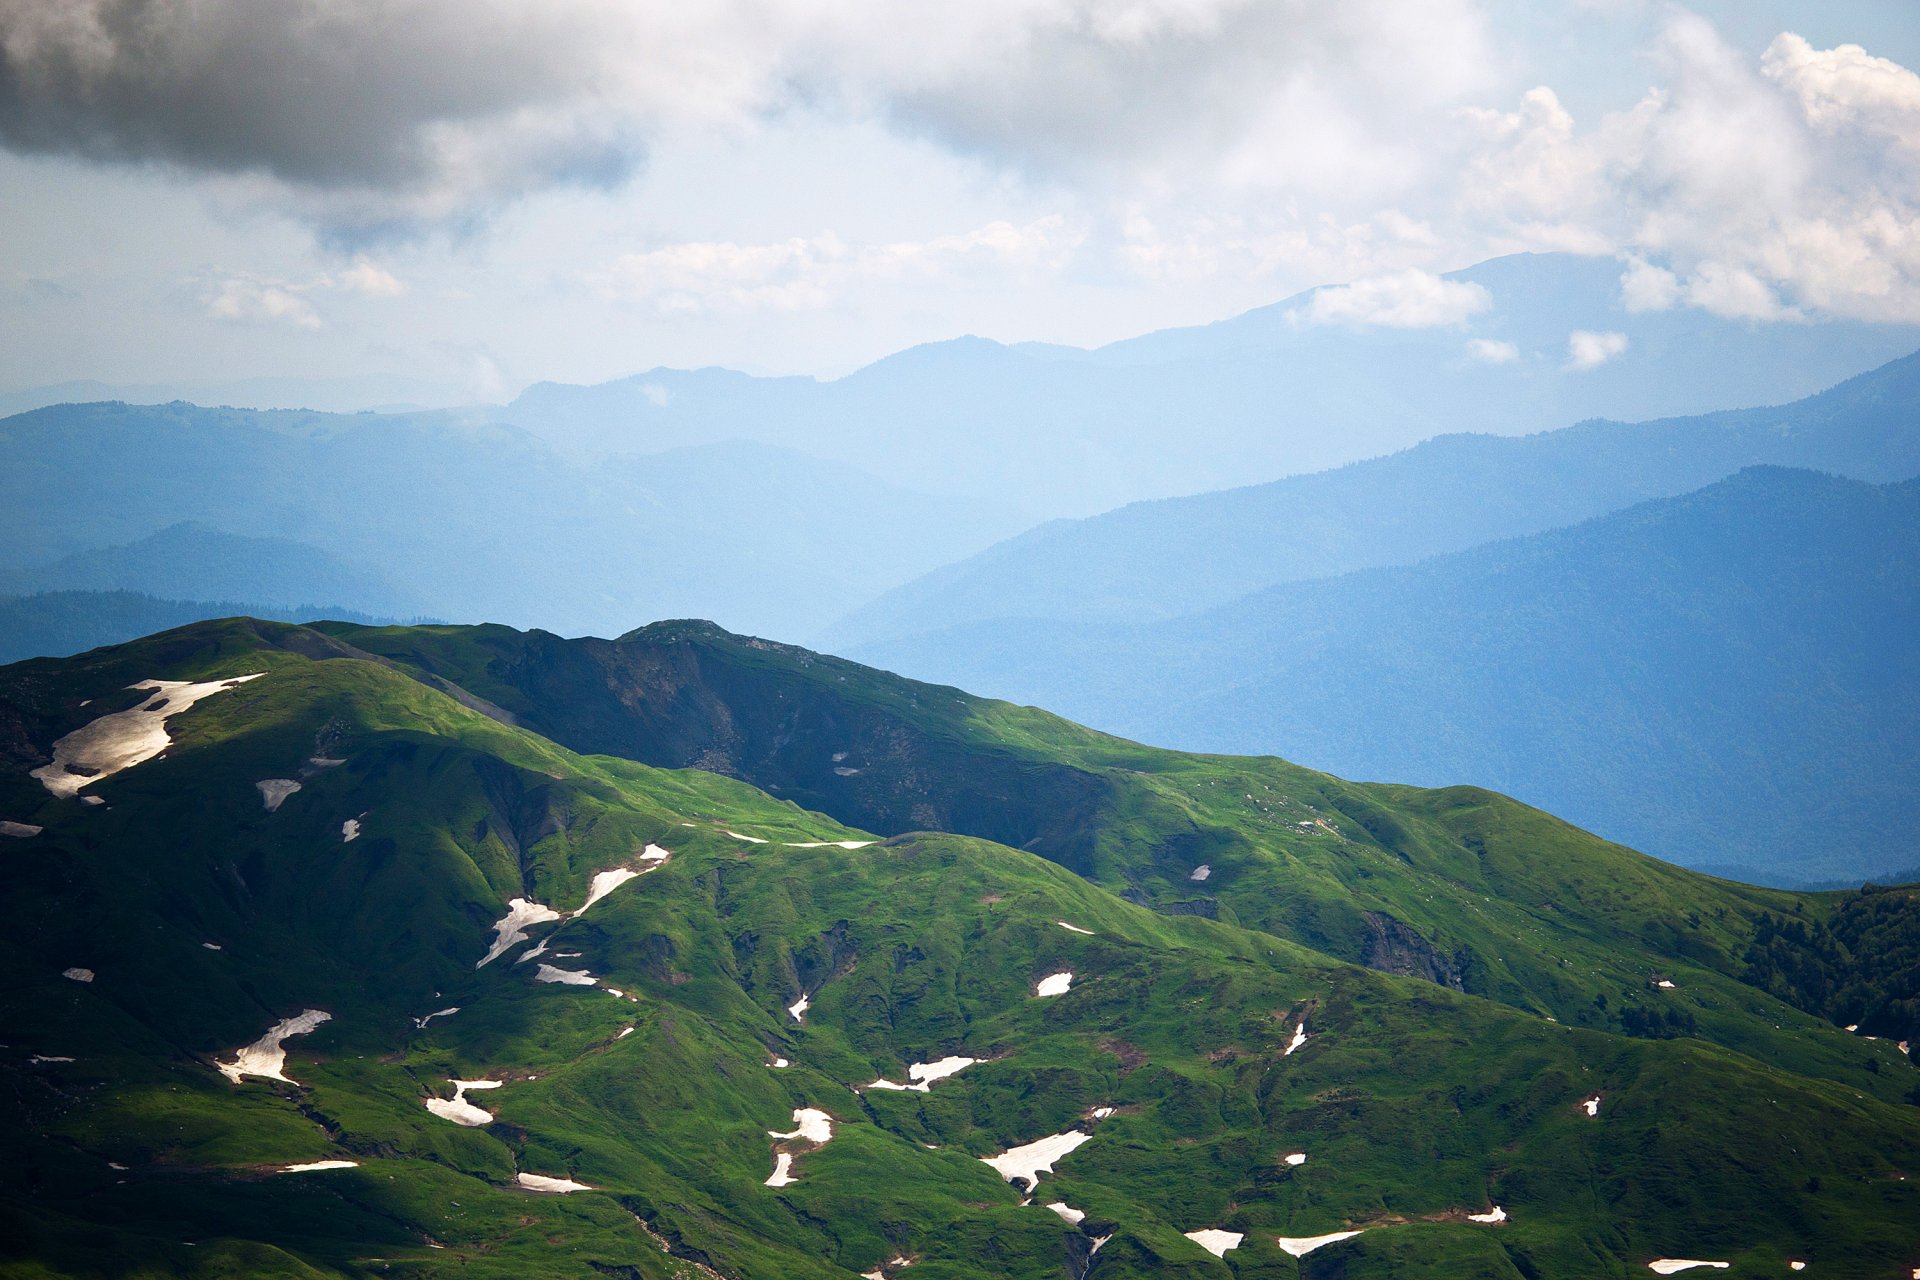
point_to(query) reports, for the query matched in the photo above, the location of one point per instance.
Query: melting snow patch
(1667, 984)
(570, 977)
(1669, 1266)
(539, 1182)
(274, 791)
(1796, 1266)
(1297, 1158)
(782, 1161)
(1497, 1214)
(1073, 927)
(316, 1166)
(266, 1057)
(38, 1058)
(349, 830)
(1592, 1105)
(21, 830)
(1071, 1214)
(779, 1064)
(1054, 984)
(77, 974)
(654, 853)
(1026, 1164)
(605, 883)
(93, 799)
(923, 1074)
(1301, 1246)
(1299, 1038)
(103, 747)
(624, 1033)
(458, 1109)
(799, 1008)
(511, 929)
(325, 762)
(810, 1125)
(749, 839)
(1101, 1113)
(1215, 1241)
(1200, 872)
(211, 946)
(437, 1013)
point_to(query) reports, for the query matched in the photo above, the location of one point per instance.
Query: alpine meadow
(1067, 640)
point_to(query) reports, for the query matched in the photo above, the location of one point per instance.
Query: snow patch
(1669, 1266)
(1297, 1158)
(93, 799)
(437, 1013)
(1299, 1038)
(779, 1064)
(1796, 1266)
(624, 1033)
(1216, 1241)
(1071, 1214)
(556, 1186)
(1200, 873)
(604, 883)
(810, 1125)
(782, 1162)
(212, 946)
(570, 977)
(749, 839)
(315, 1166)
(38, 1058)
(266, 1057)
(22, 830)
(1101, 1113)
(274, 791)
(799, 1008)
(510, 930)
(1592, 1105)
(1073, 927)
(923, 1074)
(111, 743)
(78, 974)
(1496, 1214)
(458, 1109)
(1027, 1163)
(1667, 985)
(1054, 984)
(1301, 1246)
(654, 853)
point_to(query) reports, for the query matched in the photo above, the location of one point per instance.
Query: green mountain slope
(157, 932)
(1462, 886)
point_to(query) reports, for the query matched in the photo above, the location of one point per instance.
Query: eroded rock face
(1392, 947)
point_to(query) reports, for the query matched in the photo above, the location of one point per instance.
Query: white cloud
(808, 273)
(1589, 350)
(1412, 299)
(370, 279)
(1646, 287)
(248, 301)
(1492, 351)
(1846, 86)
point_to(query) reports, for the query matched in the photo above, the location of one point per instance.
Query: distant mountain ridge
(1162, 559)
(1729, 678)
(1063, 432)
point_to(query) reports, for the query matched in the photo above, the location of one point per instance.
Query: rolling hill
(534, 1012)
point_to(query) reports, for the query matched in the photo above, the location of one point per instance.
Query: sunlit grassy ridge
(1414, 1103)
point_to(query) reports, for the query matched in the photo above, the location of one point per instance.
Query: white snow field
(510, 930)
(274, 792)
(1067, 1211)
(1301, 1246)
(799, 1008)
(782, 1162)
(567, 977)
(1673, 1266)
(317, 1166)
(103, 747)
(267, 1056)
(923, 1074)
(1216, 1241)
(458, 1109)
(1027, 1163)
(810, 1125)
(1054, 984)
(540, 1182)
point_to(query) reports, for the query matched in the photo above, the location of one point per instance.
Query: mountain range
(345, 950)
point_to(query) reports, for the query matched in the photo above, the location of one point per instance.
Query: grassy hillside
(201, 917)
(1752, 646)
(1461, 886)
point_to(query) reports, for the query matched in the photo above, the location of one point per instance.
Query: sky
(479, 194)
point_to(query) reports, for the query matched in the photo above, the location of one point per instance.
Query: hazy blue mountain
(1064, 432)
(55, 624)
(1730, 678)
(328, 395)
(193, 561)
(468, 518)
(1162, 559)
